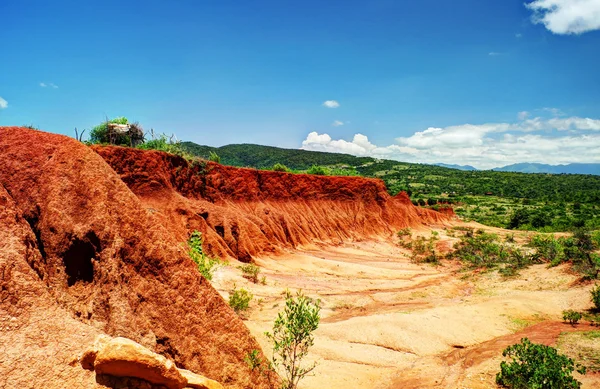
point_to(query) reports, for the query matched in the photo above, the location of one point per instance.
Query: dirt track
(390, 323)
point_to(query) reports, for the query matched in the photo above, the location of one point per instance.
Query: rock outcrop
(118, 359)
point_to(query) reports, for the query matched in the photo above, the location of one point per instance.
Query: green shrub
(537, 366)
(423, 250)
(162, 143)
(293, 336)
(572, 316)
(279, 167)
(101, 134)
(317, 170)
(404, 232)
(239, 300)
(214, 157)
(595, 294)
(250, 271)
(206, 265)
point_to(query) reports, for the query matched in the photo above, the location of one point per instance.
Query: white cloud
(554, 141)
(3, 103)
(337, 123)
(331, 104)
(494, 54)
(523, 115)
(518, 35)
(48, 85)
(553, 111)
(566, 16)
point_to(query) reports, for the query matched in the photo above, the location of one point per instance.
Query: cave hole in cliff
(33, 221)
(220, 230)
(78, 259)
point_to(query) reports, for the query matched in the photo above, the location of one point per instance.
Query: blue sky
(426, 81)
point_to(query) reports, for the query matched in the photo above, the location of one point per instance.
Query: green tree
(293, 336)
(537, 366)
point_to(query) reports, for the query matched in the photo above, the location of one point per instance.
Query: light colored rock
(123, 357)
(89, 356)
(196, 381)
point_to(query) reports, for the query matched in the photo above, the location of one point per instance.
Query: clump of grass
(250, 272)
(239, 300)
(583, 347)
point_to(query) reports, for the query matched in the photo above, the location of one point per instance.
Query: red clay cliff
(91, 242)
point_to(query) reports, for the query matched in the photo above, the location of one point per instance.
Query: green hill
(264, 157)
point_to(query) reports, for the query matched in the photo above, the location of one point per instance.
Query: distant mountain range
(459, 167)
(572, 168)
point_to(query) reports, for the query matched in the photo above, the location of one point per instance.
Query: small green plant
(250, 271)
(253, 360)
(239, 300)
(206, 265)
(537, 366)
(263, 280)
(293, 336)
(595, 295)
(279, 167)
(317, 170)
(572, 316)
(214, 157)
(404, 232)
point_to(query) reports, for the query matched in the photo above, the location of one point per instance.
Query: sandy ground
(390, 323)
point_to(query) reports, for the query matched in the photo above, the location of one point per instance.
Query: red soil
(80, 255)
(247, 212)
(544, 333)
(85, 250)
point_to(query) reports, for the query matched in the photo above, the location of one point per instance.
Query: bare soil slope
(247, 212)
(79, 254)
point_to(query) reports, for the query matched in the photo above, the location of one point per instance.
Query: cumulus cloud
(566, 16)
(331, 104)
(553, 141)
(48, 85)
(337, 123)
(3, 103)
(523, 115)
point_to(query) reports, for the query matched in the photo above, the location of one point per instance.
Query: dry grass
(582, 347)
